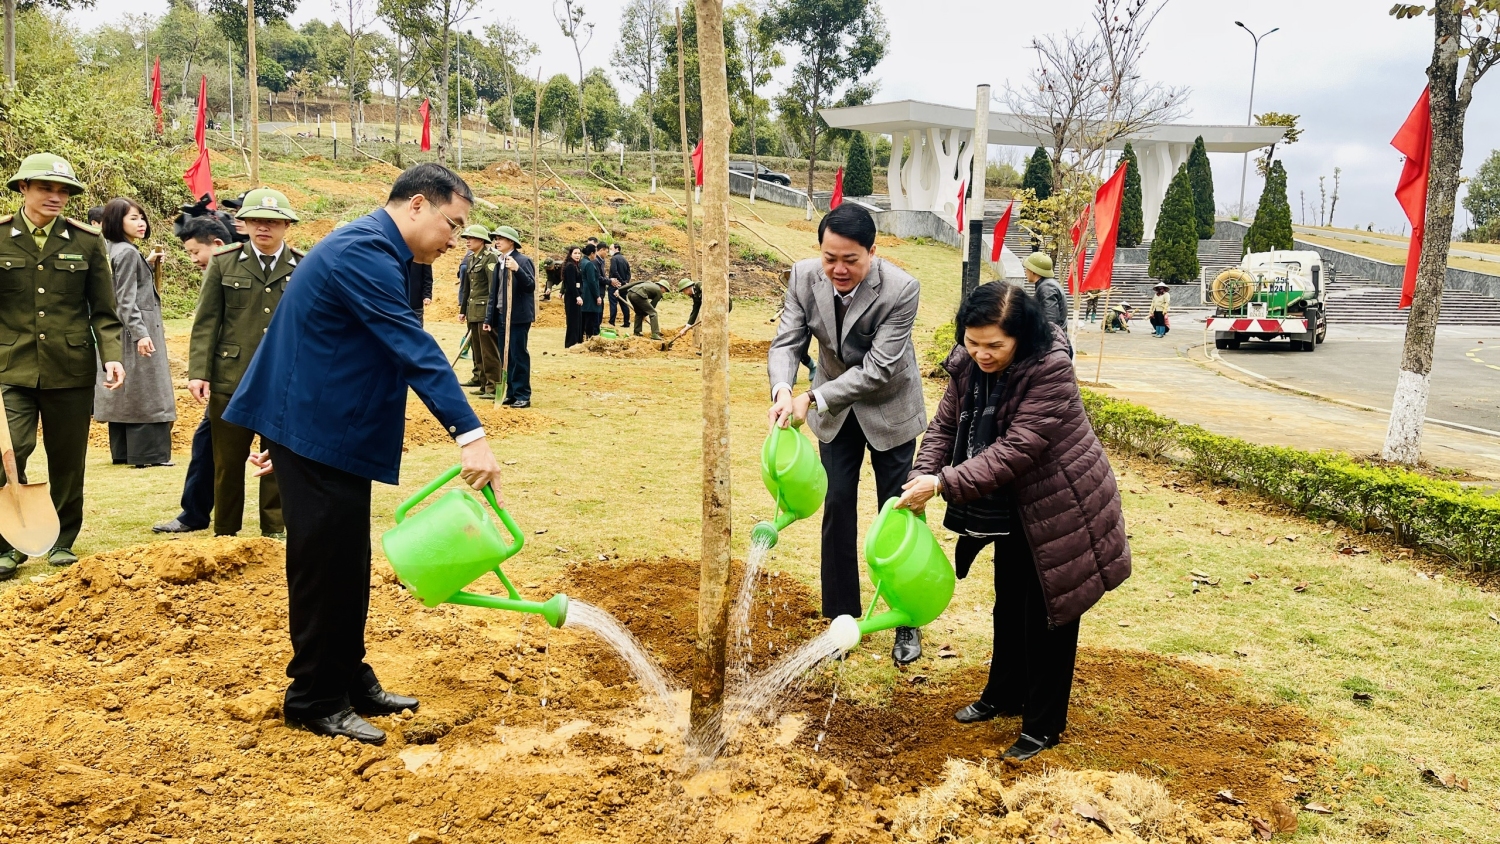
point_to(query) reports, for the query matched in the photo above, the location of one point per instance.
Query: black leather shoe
(1028, 746)
(981, 711)
(9, 562)
(521, 404)
(342, 723)
(378, 701)
(176, 526)
(908, 647)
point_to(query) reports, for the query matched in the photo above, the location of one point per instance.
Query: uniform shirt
(39, 234)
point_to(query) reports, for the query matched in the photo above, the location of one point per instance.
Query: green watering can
(793, 474)
(909, 570)
(451, 543)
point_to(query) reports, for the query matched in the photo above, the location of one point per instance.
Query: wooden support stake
(695, 263)
(577, 197)
(713, 581)
(1099, 367)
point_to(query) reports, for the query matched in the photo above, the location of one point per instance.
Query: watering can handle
(489, 495)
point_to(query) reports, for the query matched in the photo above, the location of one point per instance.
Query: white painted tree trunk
(1403, 438)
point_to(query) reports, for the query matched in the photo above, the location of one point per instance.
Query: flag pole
(1099, 367)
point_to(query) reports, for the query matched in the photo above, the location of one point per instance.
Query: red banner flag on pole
(1002, 226)
(156, 92)
(1076, 233)
(838, 190)
(200, 176)
(426, 111)
(1414, 140)
(1107, 207)
(698, 163)
(963, 188)
(200, 127)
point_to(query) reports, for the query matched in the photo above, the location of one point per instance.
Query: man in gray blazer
(866, 393)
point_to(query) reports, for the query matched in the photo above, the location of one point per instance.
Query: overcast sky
(1349, 69)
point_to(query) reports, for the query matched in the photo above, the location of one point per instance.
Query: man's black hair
(851, 221)
(617, 247)
(593, 240)
(1018, 313)
(205, 230)
(589, 249)
(95, 215)
(434, 181)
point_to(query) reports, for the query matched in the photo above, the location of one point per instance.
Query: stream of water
(642, 667)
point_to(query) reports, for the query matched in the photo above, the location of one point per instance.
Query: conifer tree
(1174, 247)
(1132, 219)
(1038, 175)
(1201, 173)
(1272, 228)
(859, 175)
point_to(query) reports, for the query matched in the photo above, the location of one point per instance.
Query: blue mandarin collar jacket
(329, 381)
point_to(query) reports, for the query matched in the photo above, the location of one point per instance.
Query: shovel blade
(28, 521)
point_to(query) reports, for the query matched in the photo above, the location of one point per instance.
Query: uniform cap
(509, 234)
(267, 204)
(1039, 263)
(46, 167)
(684, 284)
(477, 232)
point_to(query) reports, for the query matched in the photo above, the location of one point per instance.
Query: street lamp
(1250, 110)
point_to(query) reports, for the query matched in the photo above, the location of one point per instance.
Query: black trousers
(1031, 668)
(328, 583)
(591, 321)
(618, 303)
(518, 364)
(842, 459)
(198, 485)
(140, 443)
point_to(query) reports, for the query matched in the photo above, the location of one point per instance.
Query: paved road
(1160, 375)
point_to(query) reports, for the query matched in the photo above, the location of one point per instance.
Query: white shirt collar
(260, 255)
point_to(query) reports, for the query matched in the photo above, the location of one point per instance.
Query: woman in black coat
(572, 297)
(592, 300)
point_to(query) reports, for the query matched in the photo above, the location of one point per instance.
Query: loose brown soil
(630, 346)
(142, 689)
(498, 421)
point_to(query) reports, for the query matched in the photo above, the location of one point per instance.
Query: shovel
(28, 521)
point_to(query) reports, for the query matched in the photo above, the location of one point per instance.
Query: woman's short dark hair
(1014, 309)
(434, 181)
(851, 221)
(112, 221)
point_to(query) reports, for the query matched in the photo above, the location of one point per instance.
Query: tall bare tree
(569, 15)
(514, 49)
(638, 57)
(1463, 50)
(410, 28)
(353, 15)
(758, 57)
(446, 15)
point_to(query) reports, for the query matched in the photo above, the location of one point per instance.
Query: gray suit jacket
(872, 369)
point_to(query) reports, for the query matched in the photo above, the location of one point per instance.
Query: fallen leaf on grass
(511, 462)
(1198, 574)
(540, 531)
(1318, 809)
(1089, 813)
(946, 652)
(1240, 653)
(1289, 778)
(1283, 818)
(1261, 828)
(1124, 623)
(1301, 587)
(1270, 540)
(1223, 532)
(917, 678)
(1293, 537)
(1223, 501)
(1227, 796)
(1378, 801)
(1494, 619)
(1448, 780)
(1252, 576)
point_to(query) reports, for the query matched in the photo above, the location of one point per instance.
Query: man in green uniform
(643, 297)
(241, 288)
(57, 305)
(473, 302)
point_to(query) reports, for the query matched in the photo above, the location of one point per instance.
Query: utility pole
(713, 579)
(252, 120)
(229, 48)
(694, 267)
(1250, 109)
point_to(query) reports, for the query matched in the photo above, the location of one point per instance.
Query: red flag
(156, 92)
(1076, 233)
(200, 128)
(1107, 207)
(426, 111)
(698, 163)
(1002, 226)
(1414, 140)
(962, 189)
(838, 190)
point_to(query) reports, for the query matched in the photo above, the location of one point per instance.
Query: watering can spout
(885, 621)
(554, 610)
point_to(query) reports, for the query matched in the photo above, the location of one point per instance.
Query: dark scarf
(980, 521)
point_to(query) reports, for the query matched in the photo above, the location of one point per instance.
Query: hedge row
(1461, 523)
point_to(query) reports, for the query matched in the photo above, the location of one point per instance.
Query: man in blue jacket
(328, 388)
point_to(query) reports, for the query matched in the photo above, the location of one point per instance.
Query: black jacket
(519, 307)
(619, 269)
(418, 284)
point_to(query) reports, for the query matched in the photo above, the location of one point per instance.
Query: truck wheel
(1233, 344)
(1309, 345)
(1221, 344)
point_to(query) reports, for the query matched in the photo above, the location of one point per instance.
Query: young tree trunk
(536, 189)
(400, 71)
(713, 582)
(444, 131)
(252, 121)
(10, 44)
(694, 266)
(1403, 438)
(812, 147)
(583, 112)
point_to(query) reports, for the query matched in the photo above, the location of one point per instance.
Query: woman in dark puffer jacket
(1013, 454)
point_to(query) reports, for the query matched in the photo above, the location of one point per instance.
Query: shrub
(1174, 247)
(1132, 218)
(859, 175)
(1201, 174)
(1462, 523)
(938, 349)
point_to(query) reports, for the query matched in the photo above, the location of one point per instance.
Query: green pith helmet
(509, 234)
(1039, 263)
(684, 284)
(46, 167)
(267, 204)
(478, 232)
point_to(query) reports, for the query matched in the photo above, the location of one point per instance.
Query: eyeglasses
(454, 226)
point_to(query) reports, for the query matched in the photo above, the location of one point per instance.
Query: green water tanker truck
(1268, 296)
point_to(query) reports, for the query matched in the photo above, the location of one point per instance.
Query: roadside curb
(1261, 380)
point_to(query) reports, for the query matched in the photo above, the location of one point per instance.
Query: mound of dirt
(498, 421)
(630, 346)
(506, 169)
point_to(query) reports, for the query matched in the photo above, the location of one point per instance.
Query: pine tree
(1038, 175)
(1174, 247)
(1272, 228)
(1132, 219)
(859, 176)
(1201, 173)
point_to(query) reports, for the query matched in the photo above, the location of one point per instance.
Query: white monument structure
(942, 153)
